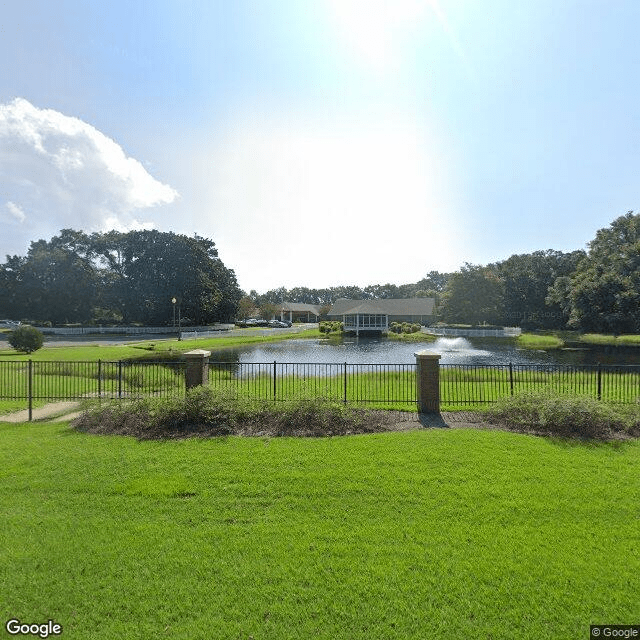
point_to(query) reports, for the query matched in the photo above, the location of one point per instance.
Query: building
(298, 312)
(377, 315)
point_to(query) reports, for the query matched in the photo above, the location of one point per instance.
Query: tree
(603, 294)
(133, 276)
(26, 339)
(473, 295)
(246, 308)
(148, 268)
(527, 279)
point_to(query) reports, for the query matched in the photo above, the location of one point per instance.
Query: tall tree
(604, 292)
(131, 275)
(527, 279)
(474, 295)
(55, 283)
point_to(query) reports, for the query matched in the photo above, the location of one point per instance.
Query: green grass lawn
(557, 339)
(426, 534)
(136, 350)
(535, 341)
(598, 338)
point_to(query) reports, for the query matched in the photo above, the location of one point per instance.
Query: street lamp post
(174, 300)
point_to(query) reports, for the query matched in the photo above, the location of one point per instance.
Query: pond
(369, 350)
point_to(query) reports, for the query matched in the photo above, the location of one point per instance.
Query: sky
(322, 142)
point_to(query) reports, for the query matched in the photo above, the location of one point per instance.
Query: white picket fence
(506, 332)
(82, 331)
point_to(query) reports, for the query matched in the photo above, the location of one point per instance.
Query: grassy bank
(101, 351)
(602, 339)
(557, 339)
(412, 337)
(536, 341)
(427, 534)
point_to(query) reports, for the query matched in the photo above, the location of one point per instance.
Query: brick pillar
(428, 381)
(197, 371)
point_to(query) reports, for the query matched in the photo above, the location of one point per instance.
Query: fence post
(30, 387)
(345, 383)
(428, 381)
(119, 378)
(197, 371)
(99, 378)
(511, 376)
(274, 379)
(599, 381)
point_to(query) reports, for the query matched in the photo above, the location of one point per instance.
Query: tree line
(132, 277)
(114, 277)
(596, 290)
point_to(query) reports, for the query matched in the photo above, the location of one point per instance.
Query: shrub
(206, 412)
(26, 339)
(327, 326)
(552, 413)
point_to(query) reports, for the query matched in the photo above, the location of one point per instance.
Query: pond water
(369, 350)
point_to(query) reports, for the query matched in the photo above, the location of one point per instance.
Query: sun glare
(374, 28)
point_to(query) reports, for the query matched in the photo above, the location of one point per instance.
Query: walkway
(55, 412)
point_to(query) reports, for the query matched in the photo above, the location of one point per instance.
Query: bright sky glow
(322, 142)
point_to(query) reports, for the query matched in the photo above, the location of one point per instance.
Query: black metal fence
(378, 384)
(39, 380)
(344, 382)
(479, 384)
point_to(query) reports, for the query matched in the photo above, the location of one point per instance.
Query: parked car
(251, 322)
(278, 324)
(9, 324)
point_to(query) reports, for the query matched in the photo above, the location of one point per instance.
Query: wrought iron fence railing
(377, 384)
(481, 384)
(47, 380)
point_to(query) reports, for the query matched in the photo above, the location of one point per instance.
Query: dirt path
(56, 412)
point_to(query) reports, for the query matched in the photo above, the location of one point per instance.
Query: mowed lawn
(427, 534)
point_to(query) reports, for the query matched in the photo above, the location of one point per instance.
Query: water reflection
(368, 350)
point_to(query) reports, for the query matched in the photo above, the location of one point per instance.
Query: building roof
(298, 307)
(386, 306)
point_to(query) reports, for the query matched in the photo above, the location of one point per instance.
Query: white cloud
(66, 173)
(16, 212)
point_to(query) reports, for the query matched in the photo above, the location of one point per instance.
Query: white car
(9, 324)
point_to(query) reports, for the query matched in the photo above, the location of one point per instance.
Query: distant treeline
(132, 277)
(597, 290)
(114, 277)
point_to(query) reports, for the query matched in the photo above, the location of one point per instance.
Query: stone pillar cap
(196, 353)
(428, 355)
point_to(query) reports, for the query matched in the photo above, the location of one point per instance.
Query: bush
(26, 339)
(549, 412)
(206, 412)
(327, 326)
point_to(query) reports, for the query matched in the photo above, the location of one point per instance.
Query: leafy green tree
(26, 339)
(12, 302)
(146, 269)
(246, 308)
(133, 276)
(603, 295)
(474, 295)
(56, 284)
(268, 311)
(527, 279)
